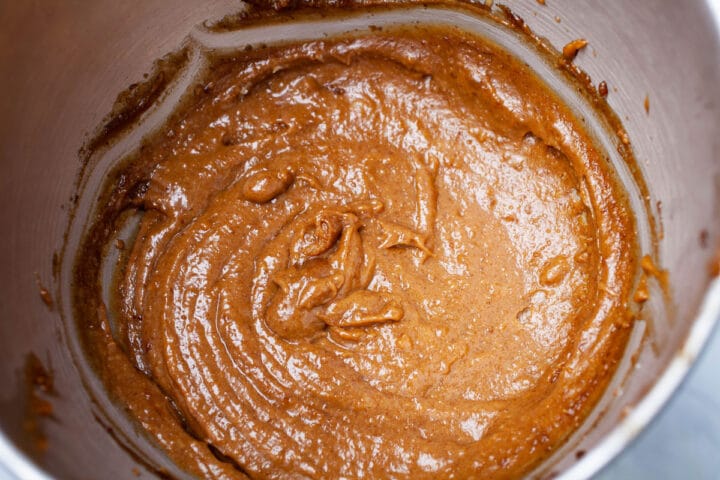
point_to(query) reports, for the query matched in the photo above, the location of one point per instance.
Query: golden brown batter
(391, 256)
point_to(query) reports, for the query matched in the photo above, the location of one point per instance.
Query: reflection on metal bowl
(67, 62)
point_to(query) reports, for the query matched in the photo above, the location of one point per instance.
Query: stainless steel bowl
(64, 63)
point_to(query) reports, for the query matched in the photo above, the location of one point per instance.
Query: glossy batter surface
(391, 256)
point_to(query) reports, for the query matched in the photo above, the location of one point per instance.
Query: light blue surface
(684, 440)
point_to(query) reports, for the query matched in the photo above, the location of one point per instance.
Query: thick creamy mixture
(397, 255)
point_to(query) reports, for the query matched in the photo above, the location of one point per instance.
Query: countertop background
(683, 442)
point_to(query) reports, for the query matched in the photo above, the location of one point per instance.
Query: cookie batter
(395, 255)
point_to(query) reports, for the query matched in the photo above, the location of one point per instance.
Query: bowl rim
(658, 397)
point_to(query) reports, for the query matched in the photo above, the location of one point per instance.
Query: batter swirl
(396, 255)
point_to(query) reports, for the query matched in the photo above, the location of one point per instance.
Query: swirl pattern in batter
(395, 255)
